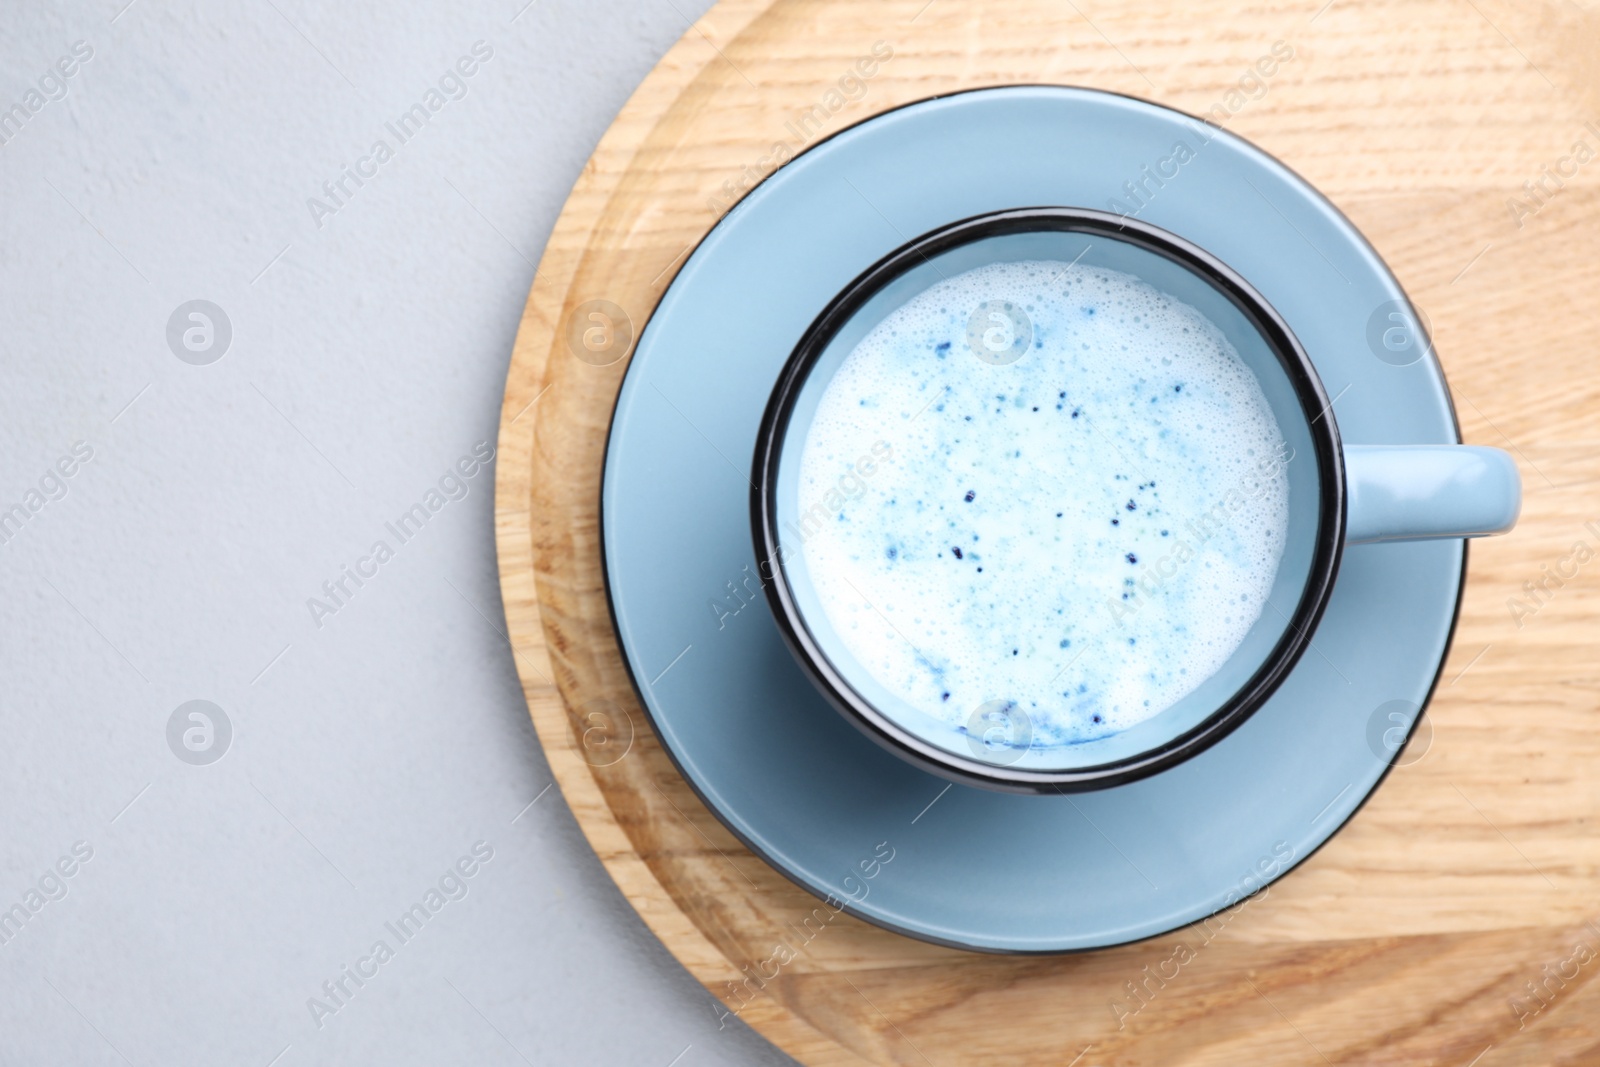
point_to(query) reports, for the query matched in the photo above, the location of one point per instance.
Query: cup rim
(1230, 714)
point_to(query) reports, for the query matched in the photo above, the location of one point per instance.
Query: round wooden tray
(1451, 919)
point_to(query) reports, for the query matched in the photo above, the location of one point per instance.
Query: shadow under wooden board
(1451, 919)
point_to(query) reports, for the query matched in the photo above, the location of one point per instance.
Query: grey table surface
(191, 497)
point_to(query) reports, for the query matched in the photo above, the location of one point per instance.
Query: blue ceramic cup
(1347, 494)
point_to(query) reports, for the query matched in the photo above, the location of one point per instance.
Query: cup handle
(1427, 492)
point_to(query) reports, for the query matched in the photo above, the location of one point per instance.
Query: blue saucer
(800, 786)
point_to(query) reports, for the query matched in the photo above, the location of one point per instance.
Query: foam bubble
(1090, 530)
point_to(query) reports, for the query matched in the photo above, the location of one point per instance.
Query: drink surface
(1081, 512)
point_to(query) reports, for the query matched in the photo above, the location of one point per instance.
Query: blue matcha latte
(1084, 509)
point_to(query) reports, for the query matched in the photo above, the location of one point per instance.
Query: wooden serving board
(1451, 919)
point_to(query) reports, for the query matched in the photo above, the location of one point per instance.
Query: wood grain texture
(1413, 937)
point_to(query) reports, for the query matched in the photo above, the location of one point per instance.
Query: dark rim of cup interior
(1250, 696)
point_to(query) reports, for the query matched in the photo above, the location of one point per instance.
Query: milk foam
(1088, 531)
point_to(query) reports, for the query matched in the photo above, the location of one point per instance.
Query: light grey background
(368, 354)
